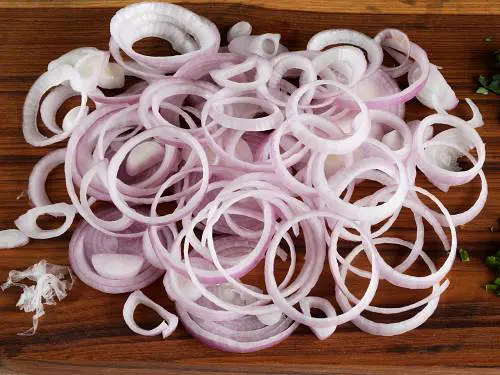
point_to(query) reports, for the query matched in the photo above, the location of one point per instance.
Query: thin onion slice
(165, 328)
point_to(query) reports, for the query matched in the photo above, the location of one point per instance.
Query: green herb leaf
(492, 262)
(464, 255)
(488, 39)
(495, 87)
(483, 81)
(491, 287)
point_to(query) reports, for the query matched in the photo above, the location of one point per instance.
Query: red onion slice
(436, 88)
(233, 344)
(26, 223)
(437, 174)
(71, 57)
(338, 36)
(130, 24)
(112, 77)
(384, 38)
(391, 329)
(333, 146)
(36, 185)
(241, 28)
(263, 73)
(331, 190)
(326, 307)
(210, 172)
(12, 238)
(46, 81)
(265, 45)
(87, 241)
(287, 305)
(52, 102)
(116, 161)
(144, 156)
(165, 328)
(347, 60)
(117, 266)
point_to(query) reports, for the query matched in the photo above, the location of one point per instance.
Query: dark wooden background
(85, 333)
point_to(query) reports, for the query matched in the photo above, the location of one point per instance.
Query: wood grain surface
(85, 333)
(340, 6)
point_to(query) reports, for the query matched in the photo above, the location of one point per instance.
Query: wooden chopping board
(85, 334)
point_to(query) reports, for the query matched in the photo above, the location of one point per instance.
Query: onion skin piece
(48, 283)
